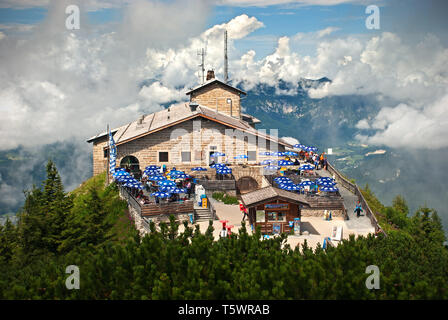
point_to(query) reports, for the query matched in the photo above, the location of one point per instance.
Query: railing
(130, 199)
(211, 207)
(355, 189)
(154, 209)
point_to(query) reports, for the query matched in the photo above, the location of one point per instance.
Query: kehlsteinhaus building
(186, 135)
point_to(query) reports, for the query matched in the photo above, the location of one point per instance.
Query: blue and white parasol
(329, 189)
(198, 169)
(305, 167)
(160, 194)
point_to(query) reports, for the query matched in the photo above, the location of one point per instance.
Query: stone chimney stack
(210, 75)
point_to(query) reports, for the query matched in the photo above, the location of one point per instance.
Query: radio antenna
(226, 70)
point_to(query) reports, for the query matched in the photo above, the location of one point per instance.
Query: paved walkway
(361, 225)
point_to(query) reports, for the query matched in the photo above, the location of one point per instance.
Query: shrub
(225, 198)
(230, 199)
(218, 195)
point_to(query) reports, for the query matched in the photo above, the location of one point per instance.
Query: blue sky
(410, 18)
(279, 20)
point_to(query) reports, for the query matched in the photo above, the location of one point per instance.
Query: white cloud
(363, 124)
(56, 85)
(157, 93)
(408, 127)
(327, 31)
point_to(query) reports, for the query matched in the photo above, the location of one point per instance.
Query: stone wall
(99, 161)
(320, 212)
(215, 97)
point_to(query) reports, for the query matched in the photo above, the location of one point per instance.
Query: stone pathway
(361, 225)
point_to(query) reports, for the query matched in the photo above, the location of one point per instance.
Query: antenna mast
(202, 53)
(226, 76)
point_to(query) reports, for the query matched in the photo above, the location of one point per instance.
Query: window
(186, 156)
(163, 156)
(106, 153)
(272, 216)
(251, 155)
(260, 215)
(281, 216)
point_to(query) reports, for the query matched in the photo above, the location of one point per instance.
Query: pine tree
(57, 205)
(399, 204)
(8, 241)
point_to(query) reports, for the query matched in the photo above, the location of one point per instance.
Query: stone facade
(199, 137)
(215, 97)
(99, 158)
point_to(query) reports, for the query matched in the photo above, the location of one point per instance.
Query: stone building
(185, 135)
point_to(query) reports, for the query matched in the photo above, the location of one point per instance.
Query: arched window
(131, 163)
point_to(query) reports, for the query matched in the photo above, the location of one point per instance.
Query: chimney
(140, 120)
(210, 75)
(193, 106)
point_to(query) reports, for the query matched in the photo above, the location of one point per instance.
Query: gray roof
(176, 114)
(250, 118)
(214, 80)
(262, 195)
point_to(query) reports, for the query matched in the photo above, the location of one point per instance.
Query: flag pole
(108, 154)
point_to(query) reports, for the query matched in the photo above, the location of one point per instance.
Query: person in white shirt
(223, 233)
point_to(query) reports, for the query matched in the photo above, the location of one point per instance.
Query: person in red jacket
(243, 210)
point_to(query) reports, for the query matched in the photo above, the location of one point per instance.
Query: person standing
(245, 213)
(223, 233)
(358, 209)
(189, 189)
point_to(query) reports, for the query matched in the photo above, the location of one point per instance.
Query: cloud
(404, 126)
(327, 31)
(57, 85)
(414, 75)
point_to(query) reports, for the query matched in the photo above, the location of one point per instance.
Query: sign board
(281, 206)
(337, 233)
(260, 215)
(330, 151)
(204, 202)
(297, 225)
(276, 228)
